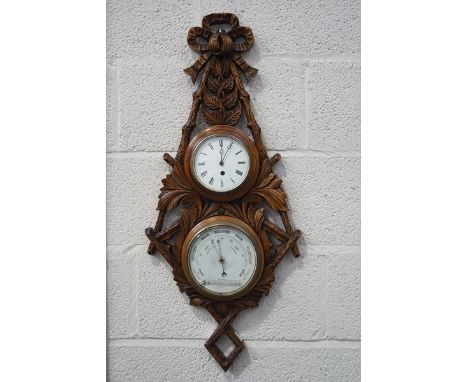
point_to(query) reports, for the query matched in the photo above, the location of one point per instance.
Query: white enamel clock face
(220, 163)
(222, 260)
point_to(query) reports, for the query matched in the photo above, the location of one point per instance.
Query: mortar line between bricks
(296, 57)
(353, 58)
(306, 105)
(324, 153)
(114, 104)
(117, 101)
(198, 342)
(133, 291)
(323, 304)
(313, 250)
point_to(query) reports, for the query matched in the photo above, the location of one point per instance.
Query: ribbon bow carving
(220, 43)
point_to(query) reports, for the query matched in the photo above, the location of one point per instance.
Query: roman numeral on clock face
(201, 163)
(211, 146)
(239, 172)
(211, 181)
(204, 173)
(242, 162)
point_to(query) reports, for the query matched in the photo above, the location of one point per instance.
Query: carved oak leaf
(230, 100)
(211, 101)
(227, 85)
(214, 83)
(175, 190)
(212, 117)
(216, 68)
(225, 67)
(269, 188)
(231, 117)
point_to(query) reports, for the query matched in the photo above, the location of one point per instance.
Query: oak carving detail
(221, 99)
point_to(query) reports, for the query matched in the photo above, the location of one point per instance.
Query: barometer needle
(221, 259)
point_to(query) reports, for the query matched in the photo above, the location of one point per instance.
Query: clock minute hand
(221, 162)
(228, 148)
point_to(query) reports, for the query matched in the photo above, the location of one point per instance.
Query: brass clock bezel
(230, 222)
(246, 185)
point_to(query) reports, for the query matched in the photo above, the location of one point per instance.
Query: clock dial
(224, 258)
(220, 163)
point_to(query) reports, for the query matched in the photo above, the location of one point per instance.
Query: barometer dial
(223, 257)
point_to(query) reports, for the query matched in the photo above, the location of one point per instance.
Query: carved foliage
(176, 190)
(269, 188)
(221, 104)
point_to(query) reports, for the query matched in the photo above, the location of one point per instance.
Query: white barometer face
(220, 163)
(223, 259)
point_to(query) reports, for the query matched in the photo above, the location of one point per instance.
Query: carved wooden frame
(221, 99)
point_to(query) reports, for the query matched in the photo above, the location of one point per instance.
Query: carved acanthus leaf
(176, 190)
(254, 217)
(269, 188)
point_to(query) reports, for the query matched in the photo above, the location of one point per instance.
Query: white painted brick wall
(306, 98)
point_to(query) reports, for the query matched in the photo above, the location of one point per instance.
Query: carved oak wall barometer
(222, 249)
